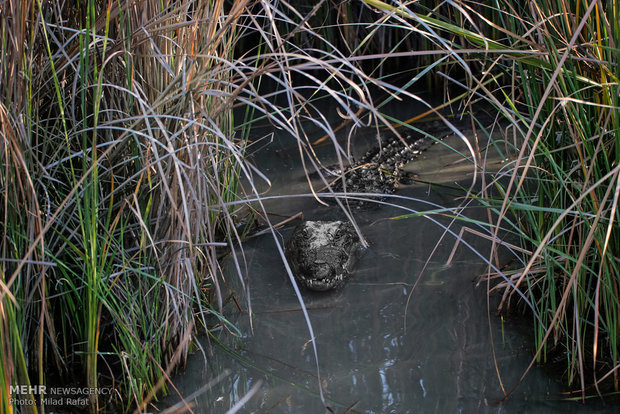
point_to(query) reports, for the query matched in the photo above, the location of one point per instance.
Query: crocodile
(322, 254)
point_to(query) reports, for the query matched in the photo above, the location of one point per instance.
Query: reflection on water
(403, 336)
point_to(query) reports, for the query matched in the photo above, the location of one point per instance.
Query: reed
(550, 69)
(567, 171)
(120, 176)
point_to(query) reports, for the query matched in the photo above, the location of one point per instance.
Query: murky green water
(403, 336)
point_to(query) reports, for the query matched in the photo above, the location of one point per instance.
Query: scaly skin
(380, 170)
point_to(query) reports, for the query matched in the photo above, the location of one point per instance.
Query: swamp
(164, 162)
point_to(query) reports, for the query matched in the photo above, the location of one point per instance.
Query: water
(407, 334)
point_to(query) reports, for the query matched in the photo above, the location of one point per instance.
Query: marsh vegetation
(124, 172)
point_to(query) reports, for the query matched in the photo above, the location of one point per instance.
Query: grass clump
(567, 170)
(120, 169)
(551, 69)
